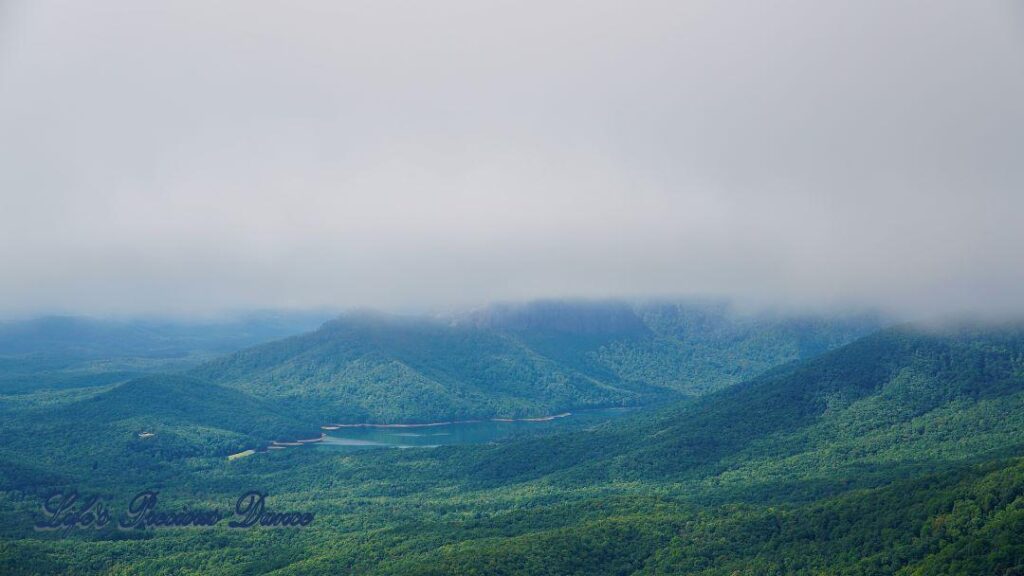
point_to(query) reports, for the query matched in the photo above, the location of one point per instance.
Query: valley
(464, 288)
(910, 432)
(436, 434)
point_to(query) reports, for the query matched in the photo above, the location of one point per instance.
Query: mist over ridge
(512, 288)
(805, 156)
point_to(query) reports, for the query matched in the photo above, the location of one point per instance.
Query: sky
(191, 157)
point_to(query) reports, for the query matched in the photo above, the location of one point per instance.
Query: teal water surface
(477, 432)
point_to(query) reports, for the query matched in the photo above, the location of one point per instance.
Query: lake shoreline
(446, 423)
(325, 439)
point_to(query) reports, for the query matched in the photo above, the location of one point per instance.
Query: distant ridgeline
(58, 389)
(897, 453)
(61, 352)
(524, 360)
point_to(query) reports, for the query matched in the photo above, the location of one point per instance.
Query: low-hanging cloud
(192, 157)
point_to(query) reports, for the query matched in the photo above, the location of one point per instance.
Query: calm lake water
(463, 432)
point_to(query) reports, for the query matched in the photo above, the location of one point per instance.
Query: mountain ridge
(517, 360)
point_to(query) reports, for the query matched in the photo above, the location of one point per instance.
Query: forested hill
(523, 360)
(136, 427)
(904, 399)
(899, 453)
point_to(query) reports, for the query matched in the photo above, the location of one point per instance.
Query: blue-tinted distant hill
(72, 352)
(85, 337)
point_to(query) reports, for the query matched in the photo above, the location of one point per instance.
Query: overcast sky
(196, 156)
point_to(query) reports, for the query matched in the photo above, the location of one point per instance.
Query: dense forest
(524, 360)
(899, 452)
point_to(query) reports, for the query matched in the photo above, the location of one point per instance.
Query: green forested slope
(897, 399)
(526, 360)
(900, 453)
(374, 368)
(179, 417)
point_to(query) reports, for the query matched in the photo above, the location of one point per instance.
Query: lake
(476, 432)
